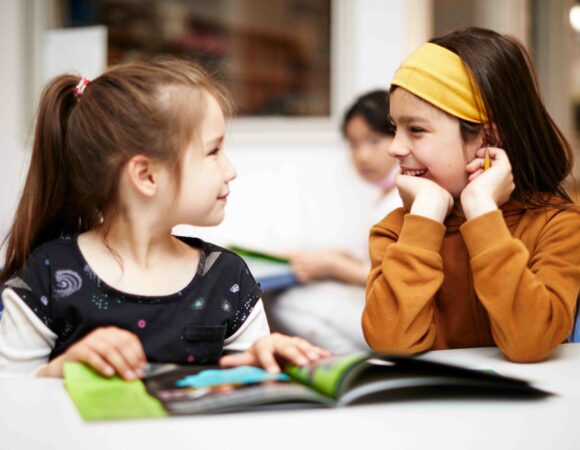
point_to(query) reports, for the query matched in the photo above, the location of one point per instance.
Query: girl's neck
(139, 260)
(140, 242)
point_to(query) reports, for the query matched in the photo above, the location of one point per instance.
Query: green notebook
(97, 397)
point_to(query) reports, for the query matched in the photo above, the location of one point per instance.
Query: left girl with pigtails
(92, 271)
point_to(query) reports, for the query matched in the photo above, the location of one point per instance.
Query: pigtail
(44, 211)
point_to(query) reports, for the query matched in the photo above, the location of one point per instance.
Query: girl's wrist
(475, 206)
(431, 207)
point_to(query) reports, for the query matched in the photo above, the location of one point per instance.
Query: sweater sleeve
(25, 341)
(253, 328)
(407, 271)
(530, 297)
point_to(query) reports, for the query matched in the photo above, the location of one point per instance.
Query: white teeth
(415, 173)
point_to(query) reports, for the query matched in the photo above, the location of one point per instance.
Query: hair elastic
(80, 88)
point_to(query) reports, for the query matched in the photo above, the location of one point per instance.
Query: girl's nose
(398, 148)
(229, 170)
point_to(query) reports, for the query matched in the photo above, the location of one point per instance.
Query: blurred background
(291, 67)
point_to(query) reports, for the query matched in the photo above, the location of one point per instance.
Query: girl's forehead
(405, 103)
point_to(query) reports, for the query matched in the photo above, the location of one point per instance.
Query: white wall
(378, 43)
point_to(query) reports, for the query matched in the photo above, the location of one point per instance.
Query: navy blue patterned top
(186, 327)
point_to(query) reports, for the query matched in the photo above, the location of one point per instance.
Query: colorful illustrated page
(325, 376)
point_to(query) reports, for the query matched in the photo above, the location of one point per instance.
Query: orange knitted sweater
(508, 278)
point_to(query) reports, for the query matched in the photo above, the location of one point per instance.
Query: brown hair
(372, 108)
(81, 144)
(540, 155)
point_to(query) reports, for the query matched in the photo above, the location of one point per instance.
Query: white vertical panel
(378, 42)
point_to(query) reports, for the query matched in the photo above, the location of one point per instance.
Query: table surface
(37, 413)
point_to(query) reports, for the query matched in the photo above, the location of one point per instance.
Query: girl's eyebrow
(409, 119)
(216, 142)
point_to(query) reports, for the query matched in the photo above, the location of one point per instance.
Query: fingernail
(109, 371)
(274, 370)
(302, 360)
(130, 375)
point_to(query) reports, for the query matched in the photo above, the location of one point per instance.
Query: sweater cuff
(484, 232)
(419, 231)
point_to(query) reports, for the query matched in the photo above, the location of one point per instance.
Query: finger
(113, 357)
(289, 350)
(129, 347)
(265, 356)
(494, 152)
(99, 364)
(322, 352)
(312, 352)
(474, 165)
(475, 174)
(133, 351)
(238, 359)
(480, 152)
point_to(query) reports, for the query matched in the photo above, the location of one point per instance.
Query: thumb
(239, 359)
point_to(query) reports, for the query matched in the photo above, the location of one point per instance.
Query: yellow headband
(438, 76)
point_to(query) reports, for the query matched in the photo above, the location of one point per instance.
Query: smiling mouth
(414, 172)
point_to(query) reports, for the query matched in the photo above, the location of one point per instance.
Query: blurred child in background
(327, 307)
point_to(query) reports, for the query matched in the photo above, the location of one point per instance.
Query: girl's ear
(143, 175)
(491, 136)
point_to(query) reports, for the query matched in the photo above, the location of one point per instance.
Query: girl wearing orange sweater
(486, 250)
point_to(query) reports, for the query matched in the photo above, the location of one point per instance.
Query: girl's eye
(215, 151)
(417, 130)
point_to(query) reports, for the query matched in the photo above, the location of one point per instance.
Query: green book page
(97, 397)
(249, 253)
(326, 375)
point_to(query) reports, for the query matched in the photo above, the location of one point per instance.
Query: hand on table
(108, 350)
(265, 351)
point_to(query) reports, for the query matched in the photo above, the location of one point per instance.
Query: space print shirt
(189, 326)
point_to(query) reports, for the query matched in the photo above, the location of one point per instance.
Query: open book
(336, 381)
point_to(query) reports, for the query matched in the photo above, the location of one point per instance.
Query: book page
(326, 375)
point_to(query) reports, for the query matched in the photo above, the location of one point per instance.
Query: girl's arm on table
(407, 271)
(530, 298)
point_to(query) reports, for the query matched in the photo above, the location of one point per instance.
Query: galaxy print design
(101, 300)
(198, 304)
(67, 283)
(244, 311)
(226, 306)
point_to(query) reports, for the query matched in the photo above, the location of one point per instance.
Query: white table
(37, 413)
